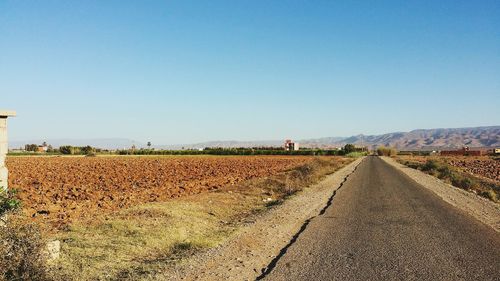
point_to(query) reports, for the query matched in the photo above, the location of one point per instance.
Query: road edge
(478, 207)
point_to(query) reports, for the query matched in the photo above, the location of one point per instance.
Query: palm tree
(149, 144)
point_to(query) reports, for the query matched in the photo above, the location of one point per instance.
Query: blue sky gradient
(191, 71)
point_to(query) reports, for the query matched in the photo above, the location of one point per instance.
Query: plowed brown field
(62, 189)
(482, 166)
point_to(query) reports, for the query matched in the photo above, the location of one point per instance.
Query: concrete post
(4, 146)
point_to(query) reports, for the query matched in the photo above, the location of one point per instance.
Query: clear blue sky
(189, 71)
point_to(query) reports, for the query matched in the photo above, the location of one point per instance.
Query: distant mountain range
(414, 140)
(433, 138)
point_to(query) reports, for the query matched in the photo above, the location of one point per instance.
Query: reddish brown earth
(482, 166)
(59, 190)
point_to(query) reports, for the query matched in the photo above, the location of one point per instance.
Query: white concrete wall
(3, 152)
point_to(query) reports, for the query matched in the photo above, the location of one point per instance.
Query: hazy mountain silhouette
(416, 139)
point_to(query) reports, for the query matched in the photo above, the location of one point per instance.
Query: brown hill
(432, 138)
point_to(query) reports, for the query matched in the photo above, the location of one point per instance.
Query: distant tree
(87, 150)
(348, 148)
(44, 143)
(149, 144)
(31, 147)
(66, 149)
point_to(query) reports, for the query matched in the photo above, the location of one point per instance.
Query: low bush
(430, 165)
(445, 172)
(490, 194)
(22, 250)
(8, 201)
(386, 151)
(356, 154)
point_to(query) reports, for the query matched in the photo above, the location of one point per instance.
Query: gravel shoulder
(480, 208)
(250, 251)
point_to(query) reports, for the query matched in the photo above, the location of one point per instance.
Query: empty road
(384, 226)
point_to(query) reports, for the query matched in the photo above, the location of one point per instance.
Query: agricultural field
(480, 174)
(60, 190)
(484, 167)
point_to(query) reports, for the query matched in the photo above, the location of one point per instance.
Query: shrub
(430, 165)
(490, 194)
(455, 180)
(356, 154)
(445, 172)
(386, 151)
(463, 182)
(8, 201)
(22, 250)
(466, 183)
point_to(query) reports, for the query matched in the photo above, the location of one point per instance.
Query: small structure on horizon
(464, 151)
(4, 146)
(43, 148)
(291, 146)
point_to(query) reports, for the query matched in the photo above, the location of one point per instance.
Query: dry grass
(116, 246)
(136, 243)
(441, 169)
(22, 250)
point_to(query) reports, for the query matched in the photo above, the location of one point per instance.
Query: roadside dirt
(480, 208)
(251, 250)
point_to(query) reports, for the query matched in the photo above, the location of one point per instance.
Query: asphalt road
(384, 226)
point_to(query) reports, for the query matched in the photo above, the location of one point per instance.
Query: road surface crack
(274, 262)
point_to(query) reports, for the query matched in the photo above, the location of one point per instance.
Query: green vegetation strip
(32, 150)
